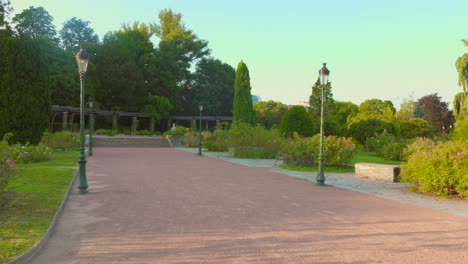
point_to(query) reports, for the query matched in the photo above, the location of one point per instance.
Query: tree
(460, 102)
(178, 49)
(25, 103)
(120, 70)
(367, 128)
(374, 109)
(5, 10)
(436, 112)
(407, 110)
(315, 99)
(415, 127)
(338, 118)
(242, 105)
(76, 32)
(298, 120)
(35, 22)
(269, 113)
(213, 86)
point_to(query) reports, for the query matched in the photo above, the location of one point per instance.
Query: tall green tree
(213, 86)
(121, 62)
(179, 49)
(374, 109)
(315, 99)
(342, 111)
(242, 106)
(76, 32)
(269, 113)
(25, 103)
(460, 102)
(35, 22)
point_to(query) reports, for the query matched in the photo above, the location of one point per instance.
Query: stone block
(381, 172)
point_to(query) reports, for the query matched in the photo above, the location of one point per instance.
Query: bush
(216, 141)
(416, 127)
(377, 142)
(7, 164)
(394, 150)
(461, 129)
(191, 138)
(338, 151)
(437, 168)
(179, 131)
(148, 133)
(61, 140)
(106, 132)
(297, 119)
(254, 141)
(364, 129)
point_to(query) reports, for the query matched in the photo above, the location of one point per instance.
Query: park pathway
(155, 205)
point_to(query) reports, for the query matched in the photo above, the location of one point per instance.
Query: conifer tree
(242, 105)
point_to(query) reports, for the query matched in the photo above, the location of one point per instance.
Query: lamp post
(82, 61)
(200, 107)
(323, 73)
(91, 124)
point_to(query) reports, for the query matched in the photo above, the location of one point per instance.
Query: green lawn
(369, 157)
(33, 196)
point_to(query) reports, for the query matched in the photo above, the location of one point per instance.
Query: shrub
(106, 132)
(179, 131)
(254, 141)
(297, 119)
(148, 133)
(191, 138)
(216, 141)
(437, 168)
(416, 127)
(28, 153)
(338, 151)
(461, 129)
(364, 129)
(7, 164)
(61, 140)
(377, 142)
(394, 150)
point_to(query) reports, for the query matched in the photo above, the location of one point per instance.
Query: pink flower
(459, 155)
(350, 143)
(289, 135)
(10, 163)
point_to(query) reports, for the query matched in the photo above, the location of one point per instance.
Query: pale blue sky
(387, 49)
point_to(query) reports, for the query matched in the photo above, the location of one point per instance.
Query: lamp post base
(83, 182)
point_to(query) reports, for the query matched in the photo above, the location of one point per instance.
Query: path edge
(28, 255)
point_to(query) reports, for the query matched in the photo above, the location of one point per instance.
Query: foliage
(191, 138)
(158, 105)
(217, 141)
(376, 142)
(415, 127)
(61, 140)
(179, 47)
(461, 129)
(5, 10)
(254, 142)
(374, 109)
(106, 132)
(242, 108)
(364, 129)
(76, 32)
(25, 102)
(438, 168)
(342, 111)
(7, 164)
(270, 113)
(461, 65)
(371, 157)
(179, 131)
(213, 88)
(148, 133)
(297, 120)
(315, 99)
(338, 151)
(436, 112)
(35, 22)
(407, 109)
(34, 195)
(460, 106)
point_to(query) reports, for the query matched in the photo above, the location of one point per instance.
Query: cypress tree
(25, 101)
(243, 107)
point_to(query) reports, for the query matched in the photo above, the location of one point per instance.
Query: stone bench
(381, 172)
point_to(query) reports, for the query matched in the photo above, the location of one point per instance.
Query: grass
(369, 157)
(33, 196)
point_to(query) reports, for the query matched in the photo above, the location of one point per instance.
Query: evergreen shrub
(254, 141)
(298, 120)
(61, 140)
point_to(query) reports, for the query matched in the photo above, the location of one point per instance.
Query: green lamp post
(323, 73)
(91, 124)
(200, 107)
(82, 61)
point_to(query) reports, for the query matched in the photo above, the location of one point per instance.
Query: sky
(384, 49)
